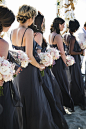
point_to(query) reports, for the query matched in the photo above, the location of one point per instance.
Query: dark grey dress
(76, 84)
(60, 74)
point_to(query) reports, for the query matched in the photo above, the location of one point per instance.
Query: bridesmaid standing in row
(49, 79)
(36, 110)
(55, 40)
(54, 94)
(8, 113)
(76, 85)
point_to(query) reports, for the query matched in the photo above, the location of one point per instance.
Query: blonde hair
(25, 12)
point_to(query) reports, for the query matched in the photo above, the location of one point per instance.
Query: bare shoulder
(38, 34)
(58, 38)
(13, 31)
(73, 38)
(4, 43)
(29, 31)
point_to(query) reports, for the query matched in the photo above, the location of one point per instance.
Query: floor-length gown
(8, 101)
(50, 82)
(60, 74)
(37, 111)
(76, 85)
(1, 108)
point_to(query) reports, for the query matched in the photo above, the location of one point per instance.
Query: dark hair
(44, 43)
(55, 25)
(6, 17)
(38, 21)
(85, 24)
(73, 25)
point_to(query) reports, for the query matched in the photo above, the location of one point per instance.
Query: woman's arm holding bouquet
(29, 49)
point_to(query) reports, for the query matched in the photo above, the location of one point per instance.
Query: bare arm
(29, 48)
(4, 46)
(71, 48)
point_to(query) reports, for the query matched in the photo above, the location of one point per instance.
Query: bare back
(56, 39)
(16, 36)
(52, 39)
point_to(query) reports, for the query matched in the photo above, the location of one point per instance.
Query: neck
(70, 32)
(24, 24)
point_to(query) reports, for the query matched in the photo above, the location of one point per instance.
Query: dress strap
(10, 36)
(35, 34)
(23, 36)
(54, 37)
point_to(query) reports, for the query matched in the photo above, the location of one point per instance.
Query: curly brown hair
(25, 12)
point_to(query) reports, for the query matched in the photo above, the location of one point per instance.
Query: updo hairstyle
(25, 12)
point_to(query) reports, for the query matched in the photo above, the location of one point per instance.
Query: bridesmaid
(55, 40)
(36, 111)
(8, 114)
(49, 79)
(76, 84)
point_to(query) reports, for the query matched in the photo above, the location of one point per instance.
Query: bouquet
(81, 40)
(6, 71)
(70, 60)
(54, 53)
(20, 56)
(83, 44)
(45, 59)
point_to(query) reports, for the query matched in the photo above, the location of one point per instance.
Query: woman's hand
(18, 71)
(83, 52)
(41, 67)
(1, 82)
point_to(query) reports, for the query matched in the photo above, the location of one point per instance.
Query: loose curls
(25, 12)
(6, 17)
(55, 25)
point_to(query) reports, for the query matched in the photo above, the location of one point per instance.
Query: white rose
(47, 58)
(52, 54)
(4, 70)
(24, 64)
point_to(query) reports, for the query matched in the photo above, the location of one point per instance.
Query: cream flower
(4, 70)
(70, 60)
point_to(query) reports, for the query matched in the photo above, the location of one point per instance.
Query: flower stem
(1, 91)
(42, 73)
